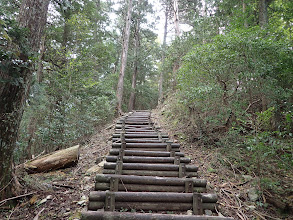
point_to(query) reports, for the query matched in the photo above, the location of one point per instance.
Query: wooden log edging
(94, 215)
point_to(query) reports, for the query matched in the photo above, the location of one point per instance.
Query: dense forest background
(222, 71)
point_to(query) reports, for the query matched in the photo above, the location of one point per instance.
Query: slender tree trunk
(161, 94)
(263, 13)
(135, 71)
(244, 13)
(40, 61)
(33, 15)
(177, 35)
(97, 20)
(119, 92)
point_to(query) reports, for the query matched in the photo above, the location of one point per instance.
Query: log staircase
(145, 172)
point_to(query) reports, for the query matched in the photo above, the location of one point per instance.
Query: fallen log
(55, 160)
(94, 215)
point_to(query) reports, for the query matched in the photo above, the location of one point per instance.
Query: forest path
(147, 172)
(63, 194)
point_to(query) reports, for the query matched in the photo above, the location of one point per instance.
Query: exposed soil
(61, 194)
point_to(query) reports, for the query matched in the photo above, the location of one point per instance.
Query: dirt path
(62, 194)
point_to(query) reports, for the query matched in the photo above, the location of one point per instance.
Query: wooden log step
(135, 123)
(94, 215)
(153, 206)
(135, 131)
(154, 167)
(147, 145)
(147, 188)
(138, 159)
(119, 126)
(135, 119)
(145, 180)
(139, 116)
(167, 197)
(152, 173)
(144, 140)
(144, 135)
(156, 134)
(146, 153)
(150, 149)
(138, 122)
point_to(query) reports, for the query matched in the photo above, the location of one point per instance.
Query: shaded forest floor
(239, 195)
(63, 194)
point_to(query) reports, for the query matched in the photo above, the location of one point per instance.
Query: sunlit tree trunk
(176, 18)
(119, 92)
(33, 15)
(161, 81)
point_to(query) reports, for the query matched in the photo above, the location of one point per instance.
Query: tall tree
(263, 12)
(119, 92)
(15, 86)
(177, 35)
(176, 18)
(161, 80)
(135, 69)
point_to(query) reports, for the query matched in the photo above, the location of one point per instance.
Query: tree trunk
(244, 14)
(135, 71)
(263, 13)
(161, 94)
(97, 20)
(32, 126)
(119, 92)
(55, 160)
(177, 35)
(176, 18)
(33, 15)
